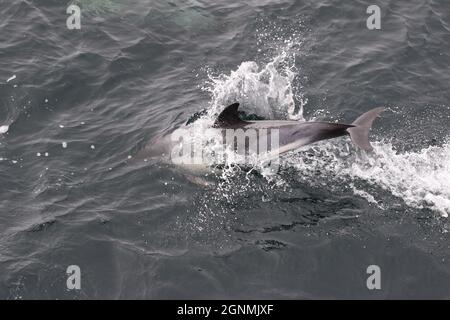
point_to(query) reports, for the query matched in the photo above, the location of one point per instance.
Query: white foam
(11, 78)
(421, 179)
(364, 194)
(4, 129)
(264, 89)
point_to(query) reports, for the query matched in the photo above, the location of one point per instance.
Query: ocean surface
(78, 105)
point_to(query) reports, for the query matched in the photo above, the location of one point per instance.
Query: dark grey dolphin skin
(291, 134)
(294, 134)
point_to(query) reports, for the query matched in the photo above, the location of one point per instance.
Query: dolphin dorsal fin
(229, 117)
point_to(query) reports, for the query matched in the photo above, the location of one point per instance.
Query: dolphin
(291, 134)
(295, 134)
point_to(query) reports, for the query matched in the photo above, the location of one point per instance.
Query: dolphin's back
(294, 134)
(313, 131)
(300, 134)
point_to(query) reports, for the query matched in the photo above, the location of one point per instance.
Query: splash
(266, 90)
(421, 179)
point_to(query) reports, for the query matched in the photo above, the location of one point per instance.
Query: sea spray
(421, 179)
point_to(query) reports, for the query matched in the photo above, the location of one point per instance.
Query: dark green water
(137, 70)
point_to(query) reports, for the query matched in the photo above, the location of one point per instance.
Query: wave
(420, 179)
